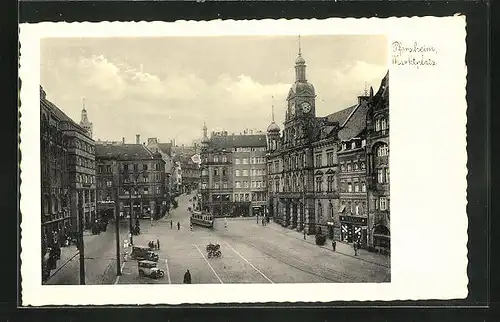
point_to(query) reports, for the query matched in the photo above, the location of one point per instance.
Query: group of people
(172, 225)
(153, 245)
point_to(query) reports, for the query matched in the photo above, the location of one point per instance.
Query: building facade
(377, 147)
(55, 185)
(165, 149)
(233, 173)
(139, 175)
(302, 161)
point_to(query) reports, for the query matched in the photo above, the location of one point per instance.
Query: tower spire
(300, 49)
(272, 107)
(366, 89)
(83, 103)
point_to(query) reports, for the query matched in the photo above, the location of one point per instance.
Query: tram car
(202, 219)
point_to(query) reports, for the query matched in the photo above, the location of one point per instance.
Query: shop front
(353, 228)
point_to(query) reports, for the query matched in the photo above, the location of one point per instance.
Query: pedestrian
(191, 227)
(171, 224)
(334, 244)
(355, 249)
(178, 226)
(225, 223)
(158, 243)
(187, 277)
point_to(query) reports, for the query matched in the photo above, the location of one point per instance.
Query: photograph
(238, 159)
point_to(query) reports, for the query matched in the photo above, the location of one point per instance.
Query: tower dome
(300, 60)
(273, 127)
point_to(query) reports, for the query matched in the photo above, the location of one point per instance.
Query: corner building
(233, 174)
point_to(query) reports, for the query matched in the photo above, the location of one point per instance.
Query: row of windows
(242, 149)
(352, 186)
(84, 162)
(85, 178)
(355, 166)
(81, 145)
(381, 124)
(256, 196)
(353, 145)
(330, 159)
(253, 172)
(330, 184)
(253, 160)
(254, 184)
(129, 167)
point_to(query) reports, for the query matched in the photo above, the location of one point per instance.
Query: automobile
(150, 269)
(143, 253)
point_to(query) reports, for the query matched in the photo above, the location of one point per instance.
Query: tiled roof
(122, 151)
(355, 124)
(59, 113)
(231, 141)
(166, 148)
(341, 116)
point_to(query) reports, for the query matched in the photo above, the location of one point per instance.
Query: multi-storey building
(165, 149)
(55, 198)
(189, 169)
(302, 162)
(139, 175)
(377, 146)
(233, 173)
(141, 178)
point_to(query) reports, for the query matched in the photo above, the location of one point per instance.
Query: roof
(355, 124)
(122, 151)
(341, 116)
(165, 148)
(232, 141)
(59, 113)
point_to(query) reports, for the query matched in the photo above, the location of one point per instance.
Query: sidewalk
(68, 253)
(342, 248)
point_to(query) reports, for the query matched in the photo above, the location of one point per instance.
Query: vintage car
(150, 269)
(143, 253)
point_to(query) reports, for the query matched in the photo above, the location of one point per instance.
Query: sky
(168, 87)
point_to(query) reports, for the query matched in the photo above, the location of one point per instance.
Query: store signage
(353, 220)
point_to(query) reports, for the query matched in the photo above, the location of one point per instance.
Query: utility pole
(117, 222)
(81, 244)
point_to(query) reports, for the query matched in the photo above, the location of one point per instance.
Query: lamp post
(117, 219)
(81, 244)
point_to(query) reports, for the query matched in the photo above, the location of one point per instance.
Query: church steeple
(300, 66)
(205, 140)
(84, 121)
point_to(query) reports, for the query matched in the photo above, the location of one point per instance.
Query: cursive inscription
(413, 55)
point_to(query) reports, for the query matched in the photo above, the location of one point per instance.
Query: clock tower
(301, 101)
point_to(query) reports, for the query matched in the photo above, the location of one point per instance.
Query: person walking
(334, 244)
(171, 224)
(355, 245)
(178, 226)
(158, 244)
(225, 223)
(187, 277)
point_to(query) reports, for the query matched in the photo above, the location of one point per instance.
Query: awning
(382, 236)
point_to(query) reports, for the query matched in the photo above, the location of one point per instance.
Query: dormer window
(353, 145)
(344, 146)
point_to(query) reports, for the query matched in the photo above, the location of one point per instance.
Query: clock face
(306, 107)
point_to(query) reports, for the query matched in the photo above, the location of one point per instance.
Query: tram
(202, 219)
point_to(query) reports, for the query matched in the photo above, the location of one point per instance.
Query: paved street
(252, 253)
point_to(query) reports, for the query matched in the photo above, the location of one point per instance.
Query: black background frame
(477, 306)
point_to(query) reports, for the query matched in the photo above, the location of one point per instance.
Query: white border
(428, 167)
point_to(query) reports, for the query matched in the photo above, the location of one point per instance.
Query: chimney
(123, 140)
(137, 139)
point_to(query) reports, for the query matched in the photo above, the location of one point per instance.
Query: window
(320, 210)
(383, 203)
(356, 187)
(245, 161)
(100, 169)
(236, 197)
(386, 175)
(158, 190)
(144, 167)
(353, 145)
(254, 185)
(357, 210)
(223, 171)
(108, 168)
(348, 167)
(237, 173)
(330, 180)
(224, 158)
(383, 151)
(318, 184)
(204, 185)
(355, 166)
(216, 159)
(245, 173)
(224, 185)
(247, 197)
(236, 161)
(318, 160)
(136, 167)
(362, 164)
(238, 184)
(204, 172)
(342, 168)
(216, 171)
(145, 179)
(380, 175)
(363, 187)
(252, 160)
(377, 125)
(329, 158)
(349, 187)
(146, 190)
(125, 167)
(245, 184)
(216, 185)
